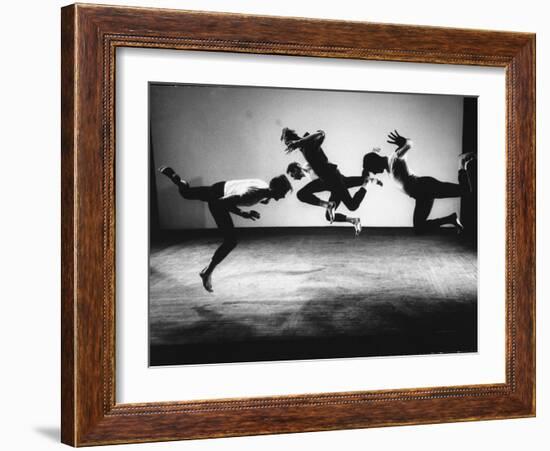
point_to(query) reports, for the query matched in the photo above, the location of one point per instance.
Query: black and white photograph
(299, 224)
(270, 226)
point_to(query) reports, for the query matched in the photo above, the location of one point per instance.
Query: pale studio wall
(209, 134)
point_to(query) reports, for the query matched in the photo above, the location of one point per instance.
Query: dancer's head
(374, 163)
(279, 186)
(288, 135)
(295, 170)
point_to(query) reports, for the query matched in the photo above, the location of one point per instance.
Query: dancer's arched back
(423, 189)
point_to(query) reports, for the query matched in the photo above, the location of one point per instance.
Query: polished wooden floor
(312, 293)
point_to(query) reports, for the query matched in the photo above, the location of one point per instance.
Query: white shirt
(248, 192)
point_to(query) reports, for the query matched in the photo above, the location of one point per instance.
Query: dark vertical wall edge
(468, 207)
(154, 222)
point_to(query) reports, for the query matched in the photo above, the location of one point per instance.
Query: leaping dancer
(325, 177)
(316, 185)
(423, 189)
(224, 198)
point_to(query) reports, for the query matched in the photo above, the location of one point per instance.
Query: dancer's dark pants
(220, 213)
(338, 186)
(425, 190)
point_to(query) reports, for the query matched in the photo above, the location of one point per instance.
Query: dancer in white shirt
(224, 198)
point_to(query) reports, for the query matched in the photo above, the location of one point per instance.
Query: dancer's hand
(252, 214)
(397, 139)
(291, 146)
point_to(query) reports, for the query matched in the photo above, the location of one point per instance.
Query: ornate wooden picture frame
(90, 37)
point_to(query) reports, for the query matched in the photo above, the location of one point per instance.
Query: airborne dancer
(316, 185)
(424, 190)
(224, 198)
(327, 177)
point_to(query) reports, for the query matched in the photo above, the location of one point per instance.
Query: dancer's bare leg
(340, 193)
(421, 222)
(206, 276)
(176, 179)
(221, 215)
(225, 225)
(339, 217)
(356, 223)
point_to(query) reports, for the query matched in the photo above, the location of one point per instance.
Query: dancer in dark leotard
(423, 189)
(316, 185)
(224, 198)
(329, 175)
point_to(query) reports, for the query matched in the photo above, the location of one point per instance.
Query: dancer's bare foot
(167, 171)
(331, 206)
(171, 174)
(458, 225)
(206, 280)
(356, 222)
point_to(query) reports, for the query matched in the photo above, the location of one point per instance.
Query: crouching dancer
(224, 198)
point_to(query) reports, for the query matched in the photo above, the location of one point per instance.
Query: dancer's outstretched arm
(230, 203)
(318, 137)
(403, 144)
